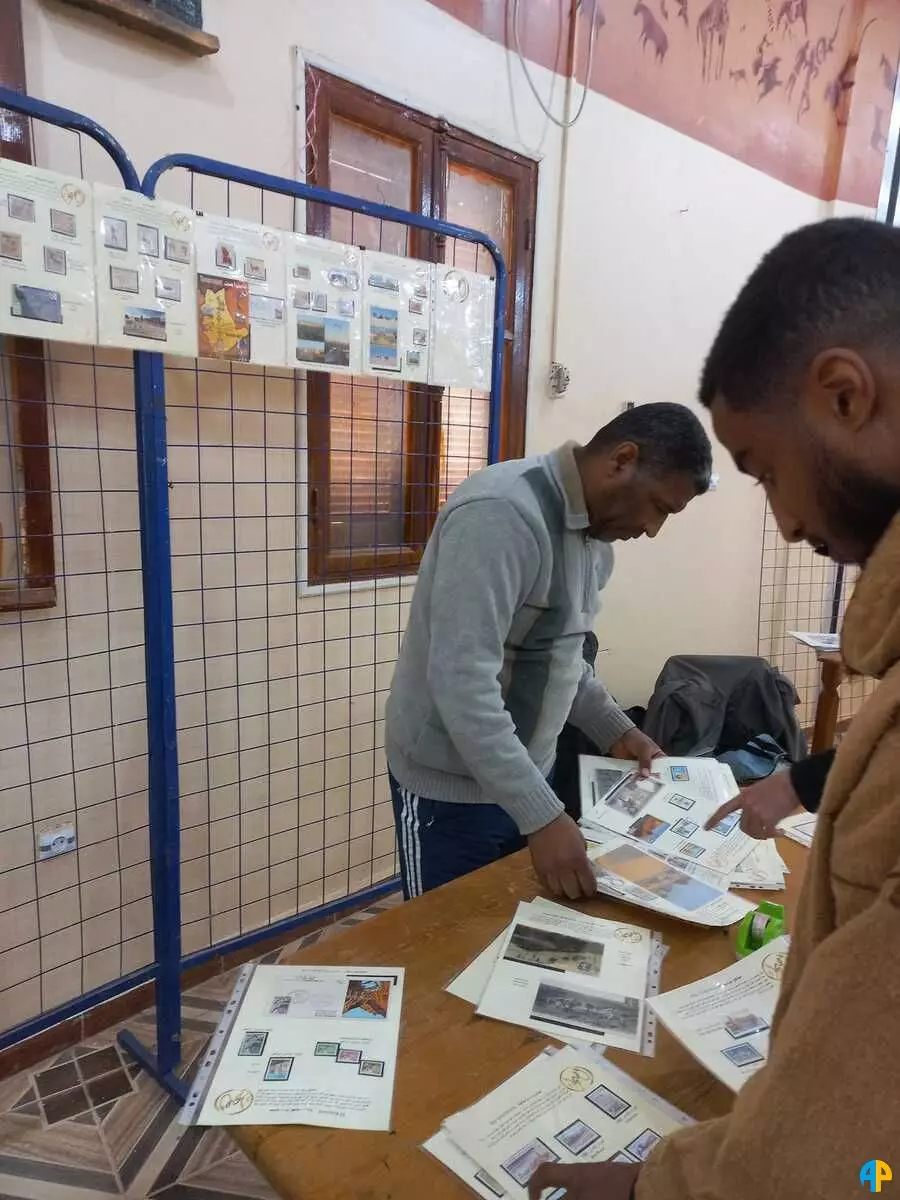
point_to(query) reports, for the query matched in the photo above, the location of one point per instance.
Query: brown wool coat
(828, 1100)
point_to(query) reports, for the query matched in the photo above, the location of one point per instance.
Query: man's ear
(842, 390)
(625, 456)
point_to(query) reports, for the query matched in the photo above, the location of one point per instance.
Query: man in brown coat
(803, 384)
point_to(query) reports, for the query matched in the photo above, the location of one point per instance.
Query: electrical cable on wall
(570, 122)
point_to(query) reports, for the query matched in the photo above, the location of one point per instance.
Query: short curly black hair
(836, 283)
(669, 438)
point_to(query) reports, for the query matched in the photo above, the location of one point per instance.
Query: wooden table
(449, 1057)
(829, 701)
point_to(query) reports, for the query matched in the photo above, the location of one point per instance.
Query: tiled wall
(72, 708)
(796, 590)
(281, 692)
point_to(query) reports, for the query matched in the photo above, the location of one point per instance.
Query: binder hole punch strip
(760, 927)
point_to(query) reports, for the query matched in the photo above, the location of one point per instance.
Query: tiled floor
(88, 1123)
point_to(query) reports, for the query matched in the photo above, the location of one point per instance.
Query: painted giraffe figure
(682, 10)
(712, 34)
(790, 13)
(652, 31)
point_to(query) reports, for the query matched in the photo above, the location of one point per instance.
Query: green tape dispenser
(760, 927)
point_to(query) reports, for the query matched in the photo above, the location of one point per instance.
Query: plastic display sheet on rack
(462, 329)
(303, 1046)
(241, 303)
(574, 976)
(628, 872)
(47, 287)
(724, 1019)
(146, 273)
(570, 1107)
(667, 810)
(397, 297)
(324, 289)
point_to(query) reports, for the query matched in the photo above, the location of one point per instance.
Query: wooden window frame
(27, 376)
(434, 141)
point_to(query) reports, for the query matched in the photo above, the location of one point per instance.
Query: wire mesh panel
(73, 747)
(796, 593)
(299, 506)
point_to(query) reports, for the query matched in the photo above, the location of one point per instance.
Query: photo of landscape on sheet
(554, 951)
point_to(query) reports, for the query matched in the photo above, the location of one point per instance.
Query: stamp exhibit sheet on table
(574, 976)
(799, 828)
(724, 1019)
(570, 1107)
(47, 282)
(303, 1046)
(671, 887)
(668, 810)
(146, 273)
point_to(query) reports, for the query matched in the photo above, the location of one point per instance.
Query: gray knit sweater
(491, 664)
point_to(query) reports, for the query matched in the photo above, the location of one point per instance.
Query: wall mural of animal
(712, 34)
(652, 33)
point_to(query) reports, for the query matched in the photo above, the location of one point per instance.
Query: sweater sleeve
(809, 776)
(487, 564)
(595, 712)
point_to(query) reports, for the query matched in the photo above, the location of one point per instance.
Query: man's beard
(857, 507)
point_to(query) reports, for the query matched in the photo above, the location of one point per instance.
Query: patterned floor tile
(88, 1123)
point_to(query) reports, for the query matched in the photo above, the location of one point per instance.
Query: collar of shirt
(565, 474)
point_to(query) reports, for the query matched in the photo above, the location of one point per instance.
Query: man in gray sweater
(491, 664)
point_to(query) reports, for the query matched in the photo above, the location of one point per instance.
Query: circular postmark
(234, 1101)
(773, 966)
(576, 1079)
(629, 935)
(455, 287)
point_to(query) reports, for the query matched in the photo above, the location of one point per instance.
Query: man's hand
(585, 1181)
(636, 745)
(560, 859)
(764, 805)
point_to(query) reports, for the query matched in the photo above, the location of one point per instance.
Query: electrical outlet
(52, 842)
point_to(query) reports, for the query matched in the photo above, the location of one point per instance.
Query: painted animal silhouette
(811, 58)
(790, 13)
(768, 78)
(879, 137)
(682, 10)
(712, 34)
(663, 10)
(652, 31)
(889, 71)
(739, 76)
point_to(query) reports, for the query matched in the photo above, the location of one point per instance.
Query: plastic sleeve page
(397, 296)
(724, 1019)
(631, 873)
(568, 1108)
(470, 983)
(763, 868)
(240, 299)
(668, 810)
(310, 1046)
(442, 1147)
(146, 273)
(324, 288)
(573, 975)
(462, 329)
(800, 828)
(47, 286)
